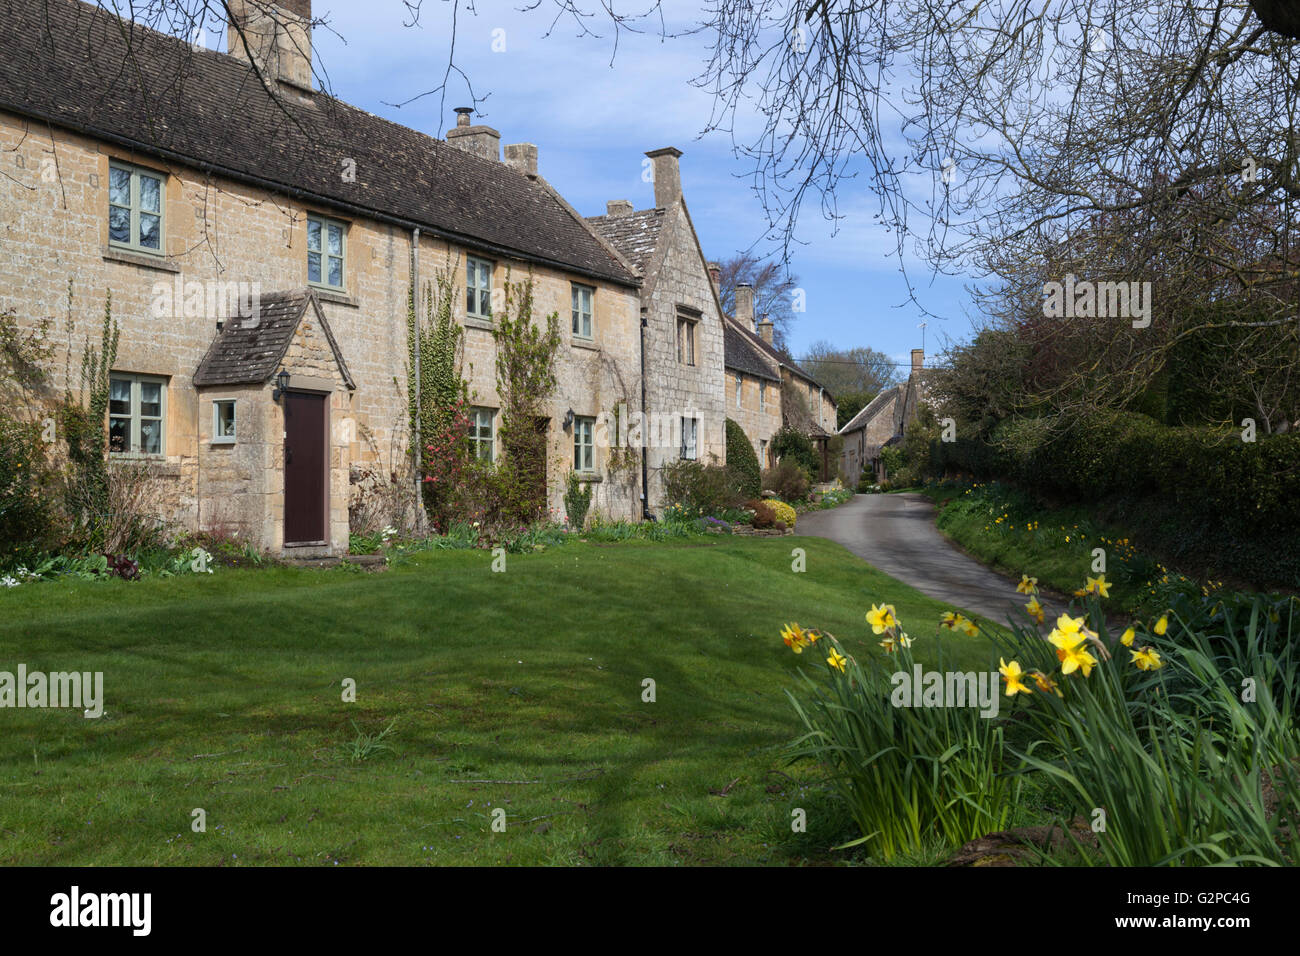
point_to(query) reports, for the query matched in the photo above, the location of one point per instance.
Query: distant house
(881, 423)
(773, 391)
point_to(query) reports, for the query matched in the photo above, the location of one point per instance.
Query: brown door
(306, 485)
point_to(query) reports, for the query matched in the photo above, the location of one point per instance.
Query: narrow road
(896, 534)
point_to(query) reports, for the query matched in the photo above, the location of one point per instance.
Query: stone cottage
(681, 322)
(881, 422)
(260, 238)
(797, 400)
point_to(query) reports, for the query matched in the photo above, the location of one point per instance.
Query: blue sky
(593, 119)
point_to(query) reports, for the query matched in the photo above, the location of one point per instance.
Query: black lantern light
(281, 385)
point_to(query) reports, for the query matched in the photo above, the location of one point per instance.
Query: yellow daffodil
(949, 620)
(1012, 674)
(837, 660)
(1098, 585)
(1127, 637)
(1162, 625)
(1027, 585)
(1146, 659)
(1077, 658)
(881, 618)
(970, 628)
(1045, 683)
(795, 638)
(1035, 610)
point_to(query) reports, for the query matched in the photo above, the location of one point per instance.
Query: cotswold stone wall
(759, 416)
(680, 279)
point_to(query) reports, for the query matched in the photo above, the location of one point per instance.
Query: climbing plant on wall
(525, 365)
(443, 397)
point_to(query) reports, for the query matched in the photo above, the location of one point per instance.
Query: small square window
(584, 444)
(478, 288)
(136, 414)
(135, 208)
(223, 421)
(582, 310)
(686, 341)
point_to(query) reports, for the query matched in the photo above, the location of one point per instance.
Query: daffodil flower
(1027, 585)
(1162, 625)
(837, 660)
(1012, 674)
(795, 638)
(1035, 610)
(1127, 637)
(1146, 659)
(881, 618)
(1098, 585)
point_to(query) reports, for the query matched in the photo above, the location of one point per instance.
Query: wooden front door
(306, 475)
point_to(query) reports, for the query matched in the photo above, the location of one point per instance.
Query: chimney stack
(482, 141)
(275, 36)
(668, 176)
(918, 358)
(745, 306)
(765, 329)
(618, 207)
(715, 273)
(523, 157)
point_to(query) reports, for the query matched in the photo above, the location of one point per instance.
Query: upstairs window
(136, 412)
(762, 396)
(582, 299)
(326, 252)
(740, 386)
(481, 437)
(685, 340)
(135, 208)
(478, 288)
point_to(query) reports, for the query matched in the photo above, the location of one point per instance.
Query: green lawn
(223, 693)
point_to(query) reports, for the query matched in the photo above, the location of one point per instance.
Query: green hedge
(742, 462)
(1204, 492)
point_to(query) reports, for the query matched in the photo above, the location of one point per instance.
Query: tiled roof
(741, 356)
(70, 64)
(249, 348)
(635, 234)
(772, 353)
(870, 410)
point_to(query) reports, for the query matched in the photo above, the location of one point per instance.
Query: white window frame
(325, 255)
(690, 439)
(475, 292)
(762, 452)
(740, 390)
(477, 414)
(762, 396)
(217, 437)
(135, 418)
(584, 321)
(584, 444)
(136, 172)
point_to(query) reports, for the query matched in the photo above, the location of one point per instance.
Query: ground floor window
(584, 444)
(690, 429)
(223, 421)
(481, 435)
(136, 412)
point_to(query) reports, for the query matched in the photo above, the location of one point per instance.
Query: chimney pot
(715, 273)
(463, 114)
(765, 329)
(618, 207)
(668, 176)
(745, 305)
(523, 157)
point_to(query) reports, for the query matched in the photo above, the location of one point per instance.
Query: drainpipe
(645, 446)
(415, 306)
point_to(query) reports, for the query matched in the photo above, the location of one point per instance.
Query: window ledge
(477, 322)
(580, 343)
(161, 263)
(589, 477)
(159, 466)
(227, 442)
(335, 296)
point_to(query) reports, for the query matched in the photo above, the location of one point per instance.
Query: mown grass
(519, 690)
